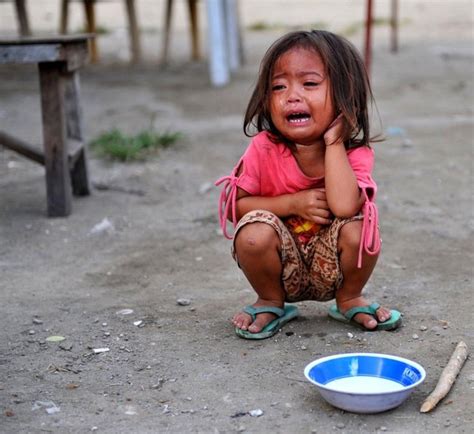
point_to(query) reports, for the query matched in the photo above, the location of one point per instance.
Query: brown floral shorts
(311, 270)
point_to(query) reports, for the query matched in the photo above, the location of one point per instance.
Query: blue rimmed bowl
(365, 382)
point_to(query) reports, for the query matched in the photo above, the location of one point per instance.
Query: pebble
(256, 413)
(100, 350)
(65, 346)
(415, 336)
(350, 335)
(183, 301)
(383, 428)
(423, 328)
(124, 312)
(31, 332)
(37, 321)
(340, 425)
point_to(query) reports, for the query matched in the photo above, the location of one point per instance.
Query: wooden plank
(30, 53)
(74, 53)
(35, 153)
(57, 39)
(23, 148)
(58, 182)
(74, 130)
(74, 149)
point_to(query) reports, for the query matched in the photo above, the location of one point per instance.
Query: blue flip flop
(286, 314)
(391, 324)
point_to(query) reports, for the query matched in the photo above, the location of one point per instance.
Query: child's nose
(293, 94)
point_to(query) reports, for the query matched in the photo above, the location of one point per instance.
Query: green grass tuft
(115, 145)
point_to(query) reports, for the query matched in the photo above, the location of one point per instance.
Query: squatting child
(301, 198)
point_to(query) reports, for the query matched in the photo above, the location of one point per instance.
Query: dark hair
(350, 87)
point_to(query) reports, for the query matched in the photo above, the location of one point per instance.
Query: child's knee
(349, 235)
(255, 238)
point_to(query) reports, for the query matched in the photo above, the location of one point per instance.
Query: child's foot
(244, 321)
(368, 321)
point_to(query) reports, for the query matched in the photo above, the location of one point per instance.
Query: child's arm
(309, 204)
(342, 192)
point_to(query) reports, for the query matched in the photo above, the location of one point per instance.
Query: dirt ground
(182, 369)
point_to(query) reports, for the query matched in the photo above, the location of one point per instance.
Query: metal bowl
(365, 382)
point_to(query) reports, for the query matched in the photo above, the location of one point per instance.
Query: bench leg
(22, 16)
(134, 31)
(167, 30)
(74, 131)
(193, 17)
(64, 19)
(58, 182)
(89, 10)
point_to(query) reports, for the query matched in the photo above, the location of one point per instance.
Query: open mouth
(298, 117)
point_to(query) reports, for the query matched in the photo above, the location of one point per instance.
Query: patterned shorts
(311, 271)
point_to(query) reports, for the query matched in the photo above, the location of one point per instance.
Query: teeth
(298, 120)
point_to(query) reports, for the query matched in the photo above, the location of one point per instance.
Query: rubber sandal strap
(254, 311)
(369, 310)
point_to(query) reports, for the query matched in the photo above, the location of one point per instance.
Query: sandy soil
(183, 369)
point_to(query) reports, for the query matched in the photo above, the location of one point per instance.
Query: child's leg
(349, 295)
(257, 248)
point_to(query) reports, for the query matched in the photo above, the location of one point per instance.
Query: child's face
(300, 99)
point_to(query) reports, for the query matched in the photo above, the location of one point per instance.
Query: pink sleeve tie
(370, 238)
(227, 201)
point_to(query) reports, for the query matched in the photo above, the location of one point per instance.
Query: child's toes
(241, 321)
(261, 321)
(369, 322)
(383, 314)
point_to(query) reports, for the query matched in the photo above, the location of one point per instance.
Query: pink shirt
(270, 169)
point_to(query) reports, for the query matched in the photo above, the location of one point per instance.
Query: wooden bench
(64, 153)
(133, 27)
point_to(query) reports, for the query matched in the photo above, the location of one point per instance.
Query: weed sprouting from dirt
(115, 145)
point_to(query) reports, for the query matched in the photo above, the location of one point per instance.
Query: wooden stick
(447, 378)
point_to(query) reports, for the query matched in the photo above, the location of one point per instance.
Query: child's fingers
(321, 216)
(322, 220)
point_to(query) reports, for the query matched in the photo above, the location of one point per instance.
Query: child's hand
(312, 205)
(335, 131)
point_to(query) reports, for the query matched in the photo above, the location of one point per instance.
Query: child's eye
(311, 84)
(278, 87)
